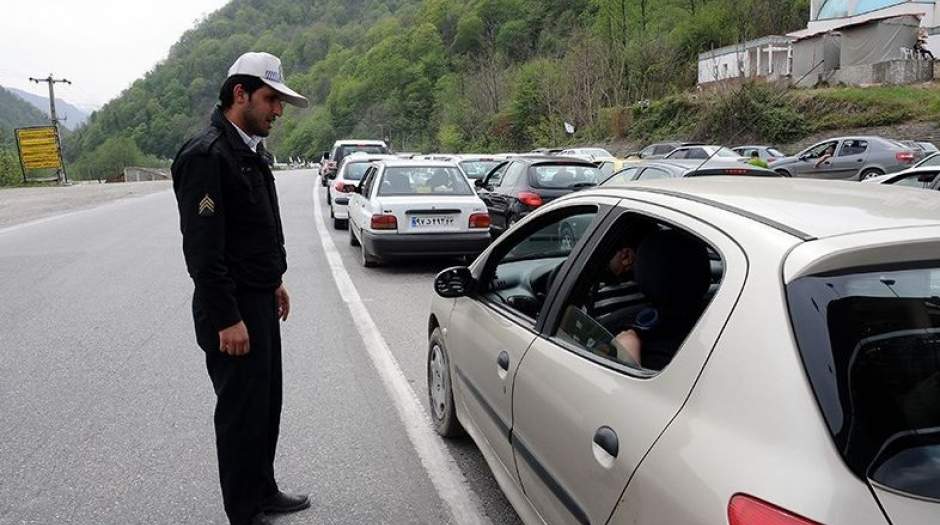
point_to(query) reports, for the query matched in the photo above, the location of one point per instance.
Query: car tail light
(384, 222)
(479, 220)
(746, 510)
(533, 200)
(341, 187)
(907, 157)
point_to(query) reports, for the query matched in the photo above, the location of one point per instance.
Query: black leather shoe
(282, 502)
(261, 519)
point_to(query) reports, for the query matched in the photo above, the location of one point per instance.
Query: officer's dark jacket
(233, 241)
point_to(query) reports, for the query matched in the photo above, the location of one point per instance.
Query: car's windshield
(727, 153)
(775, 152)
(563, 176)
(477, 169)
(421, 180)
(870, 342)
(355, 170)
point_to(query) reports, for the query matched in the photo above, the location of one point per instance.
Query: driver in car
(674, 272)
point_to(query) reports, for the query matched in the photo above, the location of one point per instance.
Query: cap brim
(287, 94)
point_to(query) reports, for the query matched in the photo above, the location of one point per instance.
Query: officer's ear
(240, 95)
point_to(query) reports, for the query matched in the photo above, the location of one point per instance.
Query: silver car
(708, 350)
(765, 153)
(852, 158)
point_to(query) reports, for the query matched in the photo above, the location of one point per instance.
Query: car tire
(440, 389)
(353, 241)
(869, 173)
(339, 224)
(783, 173)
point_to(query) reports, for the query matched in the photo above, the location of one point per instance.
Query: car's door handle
(607, 439)
(503, 360)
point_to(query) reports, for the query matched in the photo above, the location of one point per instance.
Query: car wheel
(783, 173)
(339, 224)
(869, 173)
(353, 241)
(567, 238)
(440, 388)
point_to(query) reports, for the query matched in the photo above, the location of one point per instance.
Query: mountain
(448, 75)
(15, 113)
(70, 116)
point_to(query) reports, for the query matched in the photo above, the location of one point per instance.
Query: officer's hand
(234, 339)
(283, 302)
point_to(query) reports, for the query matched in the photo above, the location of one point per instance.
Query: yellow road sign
(39, 147)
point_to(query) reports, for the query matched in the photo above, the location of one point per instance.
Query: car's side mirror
(478, 183)
(454, 282)
(357, 189)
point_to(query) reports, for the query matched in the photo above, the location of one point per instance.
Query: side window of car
(853, 147)
(678, 154)
(640, 294)
(496, 176)
(652, 173)
(511, 176)
(367, 181)
(622, 176)
(663, 149)
(523, 268)
(696, 153)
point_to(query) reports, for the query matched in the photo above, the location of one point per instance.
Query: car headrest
(673, 271)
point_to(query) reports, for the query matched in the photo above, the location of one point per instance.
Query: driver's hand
(628, 345)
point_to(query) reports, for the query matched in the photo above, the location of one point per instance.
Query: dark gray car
(677, 168)
(848, 158)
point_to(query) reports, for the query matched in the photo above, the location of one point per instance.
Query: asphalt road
(106, 408)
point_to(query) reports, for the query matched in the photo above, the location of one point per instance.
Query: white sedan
(412, 208)
(347, 177)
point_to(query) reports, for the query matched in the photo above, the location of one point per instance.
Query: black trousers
(248, 404)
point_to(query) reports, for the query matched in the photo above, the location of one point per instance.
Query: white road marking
(436, 459)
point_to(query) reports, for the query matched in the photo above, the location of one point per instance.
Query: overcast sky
(102, 46)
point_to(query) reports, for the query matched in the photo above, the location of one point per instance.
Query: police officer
(233, 244)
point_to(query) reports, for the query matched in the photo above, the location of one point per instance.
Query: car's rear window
(870, 342)
(422, 180)
(343, 151)
(775, 152)
(561, 176)
(355, 170)
(477, 169)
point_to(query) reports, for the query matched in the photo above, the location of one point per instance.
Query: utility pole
(61, 173)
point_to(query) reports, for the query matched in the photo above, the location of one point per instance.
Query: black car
(670, 169)
(520, 185)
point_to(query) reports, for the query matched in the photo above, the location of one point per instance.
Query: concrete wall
(723, 67)
(892, 72)
(133, 174)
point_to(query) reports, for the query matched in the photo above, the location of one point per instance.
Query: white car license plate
(433, 222)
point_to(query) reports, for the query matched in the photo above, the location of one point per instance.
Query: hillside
(15, 113)
(70, 116)
(437, 74)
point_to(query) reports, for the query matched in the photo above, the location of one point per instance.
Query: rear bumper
(426, 244)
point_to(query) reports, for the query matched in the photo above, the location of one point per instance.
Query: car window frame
(368, 181)
(637, 169)
(603, 205)
(507, 181)
(733, 281)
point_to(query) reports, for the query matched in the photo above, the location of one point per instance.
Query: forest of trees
(448, 75)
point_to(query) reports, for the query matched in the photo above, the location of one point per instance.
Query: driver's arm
(629, 347)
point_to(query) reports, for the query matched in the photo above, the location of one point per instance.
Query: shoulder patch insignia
(207, 206)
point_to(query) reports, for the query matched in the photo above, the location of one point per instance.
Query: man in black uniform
(233, 244)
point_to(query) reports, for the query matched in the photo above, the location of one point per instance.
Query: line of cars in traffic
(680, 340)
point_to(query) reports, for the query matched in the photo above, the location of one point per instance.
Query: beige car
(710, 350)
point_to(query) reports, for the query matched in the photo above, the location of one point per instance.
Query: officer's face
(260, 110)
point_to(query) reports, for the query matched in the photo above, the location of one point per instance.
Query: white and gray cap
(267, 67)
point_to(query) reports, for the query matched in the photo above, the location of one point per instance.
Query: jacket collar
(231, 134)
